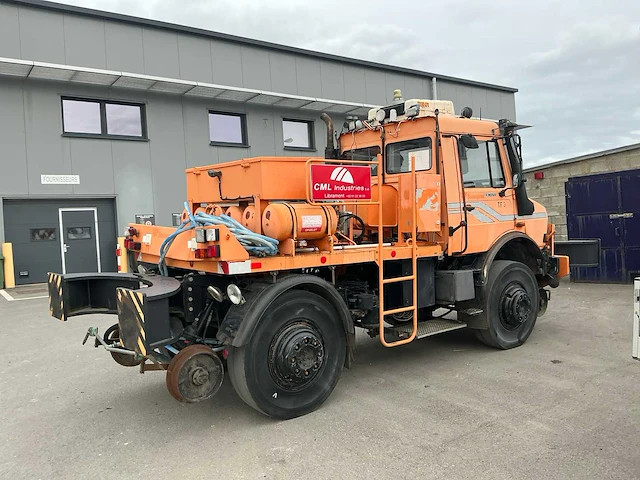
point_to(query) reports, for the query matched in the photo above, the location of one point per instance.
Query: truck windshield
(366, 153)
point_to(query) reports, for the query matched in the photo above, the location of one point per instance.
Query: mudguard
(241, 320)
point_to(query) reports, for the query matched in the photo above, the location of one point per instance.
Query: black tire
(260, 371)
(511, 302)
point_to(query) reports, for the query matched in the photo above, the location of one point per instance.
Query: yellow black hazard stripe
(131, 318)
(56, 298)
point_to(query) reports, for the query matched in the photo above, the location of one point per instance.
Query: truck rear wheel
(293, 359)
(511, 305)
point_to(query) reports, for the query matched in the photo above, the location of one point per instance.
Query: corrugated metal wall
(148, 177)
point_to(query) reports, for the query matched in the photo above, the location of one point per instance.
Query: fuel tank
(306, 222)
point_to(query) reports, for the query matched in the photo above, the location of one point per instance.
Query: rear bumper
(140, 301)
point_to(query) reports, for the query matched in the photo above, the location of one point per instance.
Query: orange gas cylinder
(249, 218)
(235, 212)
(309, 222)
(217, 210)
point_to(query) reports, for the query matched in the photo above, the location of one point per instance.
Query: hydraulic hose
(254, 243)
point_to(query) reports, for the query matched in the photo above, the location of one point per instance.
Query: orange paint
(429, 212)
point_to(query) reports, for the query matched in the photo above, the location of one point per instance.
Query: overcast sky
(576, 63)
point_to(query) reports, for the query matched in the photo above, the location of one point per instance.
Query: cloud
(576, 63)
(583, 95)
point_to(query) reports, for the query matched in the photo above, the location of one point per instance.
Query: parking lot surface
(565, 405)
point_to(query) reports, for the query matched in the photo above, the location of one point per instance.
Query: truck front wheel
(294, 358)
(511, 305)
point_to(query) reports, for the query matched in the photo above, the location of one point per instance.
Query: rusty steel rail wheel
(293, 359)
(195, 374)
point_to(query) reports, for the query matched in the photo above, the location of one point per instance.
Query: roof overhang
(16, 68)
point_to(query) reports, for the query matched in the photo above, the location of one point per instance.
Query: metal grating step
(427, 328)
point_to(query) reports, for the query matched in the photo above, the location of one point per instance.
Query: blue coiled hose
(254, 243)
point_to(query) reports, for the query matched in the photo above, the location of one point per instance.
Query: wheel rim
(515, 306)
(296, 356)
(195, 374)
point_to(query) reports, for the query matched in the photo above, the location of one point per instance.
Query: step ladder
(413, 277)
(427, 328)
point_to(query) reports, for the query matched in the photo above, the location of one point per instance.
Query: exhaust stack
(330, 151)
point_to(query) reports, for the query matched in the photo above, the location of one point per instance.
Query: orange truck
(415, 222)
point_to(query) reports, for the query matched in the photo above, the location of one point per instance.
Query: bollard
(636, 319)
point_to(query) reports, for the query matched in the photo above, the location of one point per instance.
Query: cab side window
(481, 167)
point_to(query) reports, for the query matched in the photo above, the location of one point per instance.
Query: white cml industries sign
(60, 179)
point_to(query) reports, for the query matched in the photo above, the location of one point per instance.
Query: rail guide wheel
(111, 336)
(195, 374)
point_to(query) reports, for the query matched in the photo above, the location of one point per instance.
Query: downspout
(434, 89)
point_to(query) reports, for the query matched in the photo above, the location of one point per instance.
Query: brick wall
(550, 191)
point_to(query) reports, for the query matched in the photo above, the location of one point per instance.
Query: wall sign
(60, 179)
(146, 219)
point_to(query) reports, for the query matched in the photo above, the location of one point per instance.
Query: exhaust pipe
(330, 152)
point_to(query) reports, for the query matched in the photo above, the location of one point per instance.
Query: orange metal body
(271, 195)
(428, 208)
(439, 196)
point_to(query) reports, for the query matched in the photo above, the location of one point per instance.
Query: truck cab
(477, 164)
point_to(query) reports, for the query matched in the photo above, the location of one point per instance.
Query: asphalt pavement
(565, 405)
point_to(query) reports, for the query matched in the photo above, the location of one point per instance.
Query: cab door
(487, 214)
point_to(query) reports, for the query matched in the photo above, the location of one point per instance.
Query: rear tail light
(131, 245)
(212, 251)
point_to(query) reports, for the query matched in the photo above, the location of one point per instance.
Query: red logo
(340, 182)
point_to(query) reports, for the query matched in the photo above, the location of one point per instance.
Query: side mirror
(516, 180)
(469, 141)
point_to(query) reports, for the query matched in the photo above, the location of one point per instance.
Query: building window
(228, 129)
(298, 134)
(401, 154)
(103, 119)
(42, 234)
(481, 167)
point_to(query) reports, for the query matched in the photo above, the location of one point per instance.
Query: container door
(593, 211)
(630, 211)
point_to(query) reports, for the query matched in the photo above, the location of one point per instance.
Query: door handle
(65, 247)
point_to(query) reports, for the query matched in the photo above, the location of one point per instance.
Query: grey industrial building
(100, 114)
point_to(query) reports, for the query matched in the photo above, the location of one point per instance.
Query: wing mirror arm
(517, 182)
